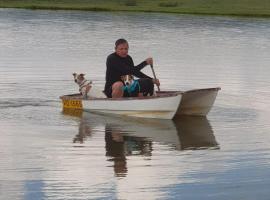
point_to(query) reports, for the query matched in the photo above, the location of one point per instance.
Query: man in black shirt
(120, 63)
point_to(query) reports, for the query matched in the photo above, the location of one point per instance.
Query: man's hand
(156, 81)
(149, 61)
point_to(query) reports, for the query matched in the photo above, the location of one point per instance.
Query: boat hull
(163, 107)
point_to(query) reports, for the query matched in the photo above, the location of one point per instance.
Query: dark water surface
(47, 153)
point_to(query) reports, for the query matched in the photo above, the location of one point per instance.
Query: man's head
(121, 48)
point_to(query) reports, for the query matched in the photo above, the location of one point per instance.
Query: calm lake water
(47, 153)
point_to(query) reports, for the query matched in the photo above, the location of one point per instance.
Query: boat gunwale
(193, 90)
(203, 89)
(78, 96)
(160, 94)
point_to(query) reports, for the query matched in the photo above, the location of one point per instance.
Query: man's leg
(117, 89)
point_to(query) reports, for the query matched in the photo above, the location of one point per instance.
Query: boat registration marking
(68, 103)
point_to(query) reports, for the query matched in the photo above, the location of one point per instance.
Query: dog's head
(78, 78)
(127, 79)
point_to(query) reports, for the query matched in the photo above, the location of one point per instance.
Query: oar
(154, 76)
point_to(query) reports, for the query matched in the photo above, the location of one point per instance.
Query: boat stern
(73, 101)
(197, 102)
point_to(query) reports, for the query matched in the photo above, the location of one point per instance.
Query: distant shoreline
(248, 8)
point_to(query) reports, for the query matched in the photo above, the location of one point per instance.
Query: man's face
(122, 50)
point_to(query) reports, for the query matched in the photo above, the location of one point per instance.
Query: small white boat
(165, 105)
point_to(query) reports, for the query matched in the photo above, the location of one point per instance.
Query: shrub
(130, 2)
(168, 4)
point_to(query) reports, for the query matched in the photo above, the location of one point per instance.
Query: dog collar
(83, 83)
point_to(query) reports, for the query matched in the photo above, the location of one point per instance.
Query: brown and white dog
(137, 87)
(86, 87)
(127, 79)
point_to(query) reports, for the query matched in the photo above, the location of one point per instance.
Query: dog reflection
(84, 127)
(84, 131)
(119, 146)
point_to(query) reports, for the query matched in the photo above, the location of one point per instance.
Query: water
(47, 153)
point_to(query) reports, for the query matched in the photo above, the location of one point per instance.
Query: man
(120, 63)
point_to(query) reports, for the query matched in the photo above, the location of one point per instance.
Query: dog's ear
(74, 74)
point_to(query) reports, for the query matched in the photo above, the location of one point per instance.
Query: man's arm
(138, 68)
(126, 69)
(148, 61)
(141, 65)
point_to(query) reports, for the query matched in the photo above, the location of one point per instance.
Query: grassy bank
(211, 7)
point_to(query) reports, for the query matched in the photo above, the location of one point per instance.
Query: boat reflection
(195, 133)
(126, 137)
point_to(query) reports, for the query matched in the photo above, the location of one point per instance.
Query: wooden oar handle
(154, 74)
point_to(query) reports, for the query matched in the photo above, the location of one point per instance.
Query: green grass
(210, 7)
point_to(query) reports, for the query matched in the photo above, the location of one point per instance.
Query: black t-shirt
(118, 66)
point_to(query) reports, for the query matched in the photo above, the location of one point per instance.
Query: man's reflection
(119, 146)
(116, 150)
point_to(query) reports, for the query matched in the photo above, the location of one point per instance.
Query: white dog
(86, 87)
